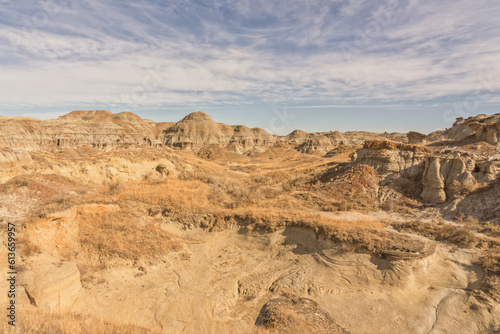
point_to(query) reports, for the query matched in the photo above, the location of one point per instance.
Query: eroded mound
(297, 315)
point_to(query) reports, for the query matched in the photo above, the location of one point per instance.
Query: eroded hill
(130, 226)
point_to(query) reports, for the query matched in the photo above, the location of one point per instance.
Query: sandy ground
(220, 283)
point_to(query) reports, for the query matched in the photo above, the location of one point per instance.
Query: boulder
(296, 315)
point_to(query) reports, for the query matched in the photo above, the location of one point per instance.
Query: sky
(316, 65)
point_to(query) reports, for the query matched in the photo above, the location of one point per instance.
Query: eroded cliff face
(482, 128)
(445, 178)
(96, 128)
(444, 175)
(318, 144)
(199, 129)
(390, 157)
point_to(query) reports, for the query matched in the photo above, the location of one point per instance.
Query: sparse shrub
(442, 232)
(491, 262)
(288, 186)
(115, 187)
(262, 179)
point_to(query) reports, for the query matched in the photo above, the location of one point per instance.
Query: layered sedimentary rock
(482, 128)
(95, 128)
(16, 155)
(486, 171)
(390, 157)
(51, 283)
(444, 178)
(360, 137)
(486, 128)
(199, 129)
(297, 137)
(316, 144)
(483, 204)
(416, 137)
(103, 130)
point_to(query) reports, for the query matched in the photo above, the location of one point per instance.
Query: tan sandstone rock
(444, 178)
(50, 282)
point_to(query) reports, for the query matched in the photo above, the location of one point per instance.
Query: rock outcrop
(483, 204)
(199, 129)
(99, 129)
(481, 128)
(104, 130)
(297, 315)
(444, 178)
(316, 144)
(416, 137)
(297, 137)
(390, 157)
(16, 155)
(360, 137)
(486, 171)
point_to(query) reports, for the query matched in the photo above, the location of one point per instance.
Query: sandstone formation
(297, 315)
(483, 204)
(444, 178)
(360, 137)
(199, 129)
(416, 138)
(103, 130)
(481, 128)
(297, 137)
(96, 128)
(390, 157)
(16, 155)
(51, 283)
(486, 171)
(317, 144)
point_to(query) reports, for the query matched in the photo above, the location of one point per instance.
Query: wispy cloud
(244, 52)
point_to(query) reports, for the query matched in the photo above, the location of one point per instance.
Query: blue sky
(318, 65)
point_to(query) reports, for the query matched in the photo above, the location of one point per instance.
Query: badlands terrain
(124, 225)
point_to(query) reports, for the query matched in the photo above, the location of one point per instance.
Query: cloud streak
(246, 52)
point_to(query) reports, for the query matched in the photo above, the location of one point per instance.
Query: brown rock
(416, 138)
(297, 315)
(389, 157)
(445, 178)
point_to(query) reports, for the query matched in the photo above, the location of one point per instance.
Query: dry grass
(35, 321)
(107, 232)
(347, 188)
(389, 145)
(491, 261)
(444, 232)
(293, 316)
